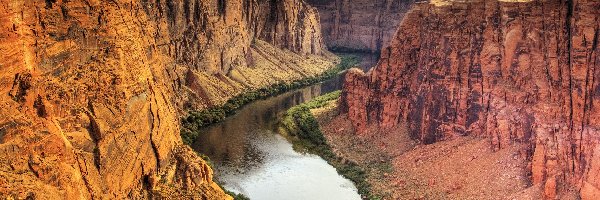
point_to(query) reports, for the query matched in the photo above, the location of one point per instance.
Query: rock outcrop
(360, 25)
(91, 92)
(517, 72)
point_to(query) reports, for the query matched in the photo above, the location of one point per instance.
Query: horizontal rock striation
(91, 92)
(516, 72)
(360, 25)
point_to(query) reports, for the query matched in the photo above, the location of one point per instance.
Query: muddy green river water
(251, 158)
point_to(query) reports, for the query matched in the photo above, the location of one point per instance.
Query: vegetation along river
(251, 158)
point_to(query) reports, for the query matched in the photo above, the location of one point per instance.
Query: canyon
(360, 25)
(93, 95)
(92, 92)
(517, 73)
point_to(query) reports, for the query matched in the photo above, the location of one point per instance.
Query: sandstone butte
(514, 72)
(91, 92)
(360, 25)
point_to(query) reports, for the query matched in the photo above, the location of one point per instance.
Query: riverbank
(388, 164)
(196, 120)
(301, 127)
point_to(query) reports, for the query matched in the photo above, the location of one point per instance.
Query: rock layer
(91, 92)
(516, 72)
(360, 25)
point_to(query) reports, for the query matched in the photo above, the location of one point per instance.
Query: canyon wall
(515, 72)
(91, 92)
(360, 25)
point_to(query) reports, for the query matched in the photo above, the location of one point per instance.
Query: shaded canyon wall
(360, 25)
(518, 73)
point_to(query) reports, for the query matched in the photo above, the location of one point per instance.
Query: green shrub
(301, 124)
(196, 120)
(323, 100)
(308, 127)
(307, 124)
(238, 196)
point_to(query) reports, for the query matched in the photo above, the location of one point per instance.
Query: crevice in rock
(147, 183)
(30, 196)
(30, 166)
(38, 104)
(84, 176)
(95, 133)
(569, 18)
(49, 3)
(186, 12)
(153, 125)
(21, 84)
(65, 12)
(222, 6)
(155, 151)
(97, 158)
(594, 62)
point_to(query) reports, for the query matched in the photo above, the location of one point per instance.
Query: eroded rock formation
(91, 92)
(516, 72)
(360, 25)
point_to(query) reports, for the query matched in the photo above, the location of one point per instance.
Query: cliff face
(91, 92)
(222, 48)
(291, 25)
(515, 72)
(360, 25)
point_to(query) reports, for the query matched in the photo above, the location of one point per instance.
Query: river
(251, 158)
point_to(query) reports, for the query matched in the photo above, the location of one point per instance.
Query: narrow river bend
(251, 158)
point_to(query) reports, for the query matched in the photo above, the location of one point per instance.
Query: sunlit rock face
(360, 25)
(515, 72)
(91, 92)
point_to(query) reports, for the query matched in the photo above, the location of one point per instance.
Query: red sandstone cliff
(515, 72)
(91, 92)
(360, 25)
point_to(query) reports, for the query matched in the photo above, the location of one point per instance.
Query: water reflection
(251, 158)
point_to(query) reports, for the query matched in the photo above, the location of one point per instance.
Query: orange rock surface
(511, 71)
(91, 92)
